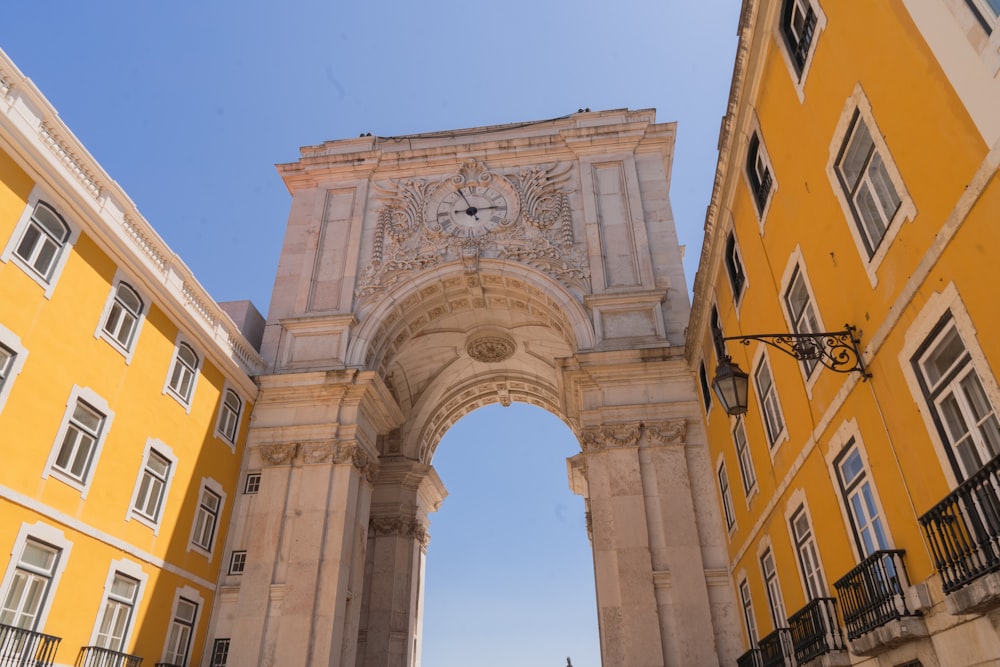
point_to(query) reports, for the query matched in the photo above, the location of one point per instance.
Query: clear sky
(188, 105)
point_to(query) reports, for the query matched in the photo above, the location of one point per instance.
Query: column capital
(633, 434)
(399, 526)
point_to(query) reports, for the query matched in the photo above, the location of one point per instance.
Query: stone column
(404, 493)
(654, 607)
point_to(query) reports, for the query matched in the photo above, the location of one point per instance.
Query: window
(747, 603)
(237, 562)
(79, 442)
(987, 12)
(717, 342)
(220, 653)
(805, 546)
(759, 173)
(183, 373)
(123, 317)
(152, 486)
(866, 182)
(802, 312)
(181, 629)
(706, 392)
(30, 585)
(117, 614)
(734, 267)
(861, 501)
(229, 415)
(12, 356)
(206, 519)
(727, 497)
(774, 423)
(42, 241)
(963, 413)
(252, 484)
(774, 599)
(798, 27)
(743, 456)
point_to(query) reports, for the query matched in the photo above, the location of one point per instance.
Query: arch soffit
(404, 309)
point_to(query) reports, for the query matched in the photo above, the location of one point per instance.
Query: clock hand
(480, 208)
(462, 195)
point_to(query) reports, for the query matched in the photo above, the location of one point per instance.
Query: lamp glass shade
(731, 385)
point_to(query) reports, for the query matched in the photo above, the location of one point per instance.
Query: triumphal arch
(425, 276)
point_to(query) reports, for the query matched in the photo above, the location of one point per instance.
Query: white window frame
(772, 586)
(858, 106)
(190, 595)
(847, 439)
(48, 282)
(88, 396)
(222, 411)
(796, 269)
(140, 317)
(774, 440)
(164, 451)
(255, 484)
(736, 258)
(948, 300)
(763, 160)
(12, 342)
(188, 400)
(218, 643)
(746, 605)
(726, 495)
(704, 387)
(748, 475)
(798, 75)
(237, 562)
(131, 570)
(807, 555)
(38, 532)
(212, 486)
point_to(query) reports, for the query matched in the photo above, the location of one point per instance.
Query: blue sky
(189, 106)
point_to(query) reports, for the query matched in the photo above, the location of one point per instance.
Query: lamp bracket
(839, 351)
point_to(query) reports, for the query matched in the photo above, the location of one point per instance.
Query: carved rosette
(400, 527)
(278, 455)
(491, 349)
(351, 452)
(539, 233)
(633, 434)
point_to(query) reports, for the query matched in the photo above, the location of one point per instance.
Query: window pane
(944, 355)
(50, 222)
(88, 418)
(39, 556)
(860, 145)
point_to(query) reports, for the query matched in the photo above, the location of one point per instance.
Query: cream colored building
(422, 277)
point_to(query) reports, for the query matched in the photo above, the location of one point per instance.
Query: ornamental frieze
(522, 216)
(398, 526)
(611, 436)
(318, 452)
(278, 455)
(353, 453)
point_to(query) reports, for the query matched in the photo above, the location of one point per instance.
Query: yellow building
(857, 184)
(124, 401)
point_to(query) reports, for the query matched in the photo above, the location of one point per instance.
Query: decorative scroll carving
(668, 431)
(401, 527)
(608, 437)
(351, 452)
(539, 231)
(491, 349)
(630, 434)
(318, 452)
(278, 455)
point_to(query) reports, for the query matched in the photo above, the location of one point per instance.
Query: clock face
(472, 210)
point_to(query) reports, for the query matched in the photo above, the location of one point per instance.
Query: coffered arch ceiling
(448, 342)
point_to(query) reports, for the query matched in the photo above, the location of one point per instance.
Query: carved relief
(630, 434)
(318, 452)
(491, 349)
(531, 223)
(351, 452)
(278, 455)
(395, 525)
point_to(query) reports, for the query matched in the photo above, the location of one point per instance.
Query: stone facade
(423, 277)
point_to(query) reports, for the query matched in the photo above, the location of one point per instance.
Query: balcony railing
(964, 529)
(776, 649)
(874, 592)
(95, 656)
(25, 648)
(815, 630)
(750, 659)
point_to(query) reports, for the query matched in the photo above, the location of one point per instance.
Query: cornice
(34, 135)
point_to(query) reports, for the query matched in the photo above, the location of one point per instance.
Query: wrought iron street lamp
(837, 350)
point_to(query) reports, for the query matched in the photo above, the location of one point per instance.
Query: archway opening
(509, 572)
